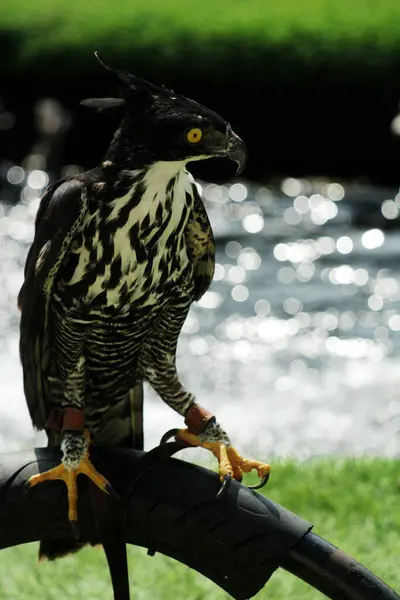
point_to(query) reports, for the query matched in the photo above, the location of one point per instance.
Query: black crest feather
(134, 85)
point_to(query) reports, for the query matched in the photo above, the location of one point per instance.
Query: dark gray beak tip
(240, 167)
(237, 152)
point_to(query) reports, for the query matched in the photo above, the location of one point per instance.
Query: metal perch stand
(237, 542)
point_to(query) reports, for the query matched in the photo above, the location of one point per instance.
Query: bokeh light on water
(296, 347)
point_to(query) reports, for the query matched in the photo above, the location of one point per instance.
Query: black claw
(261, 483)
(224, 487)
(74, 529)
(114, 495)
(168, 436)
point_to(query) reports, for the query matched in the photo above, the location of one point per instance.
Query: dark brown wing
(60, 214)
(200, 246)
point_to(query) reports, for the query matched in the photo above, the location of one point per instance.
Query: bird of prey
(120, 252)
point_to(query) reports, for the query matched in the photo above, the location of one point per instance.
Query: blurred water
(297, 345)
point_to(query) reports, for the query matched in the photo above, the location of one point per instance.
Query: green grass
(353, 503)
(308, 28)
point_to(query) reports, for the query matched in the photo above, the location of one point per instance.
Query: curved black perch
(238, 541)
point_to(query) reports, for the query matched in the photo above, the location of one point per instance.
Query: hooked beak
(236, 151)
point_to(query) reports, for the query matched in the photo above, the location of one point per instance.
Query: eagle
(120, 253)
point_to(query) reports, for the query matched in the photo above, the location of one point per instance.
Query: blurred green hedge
(218, 37)
(319, 73)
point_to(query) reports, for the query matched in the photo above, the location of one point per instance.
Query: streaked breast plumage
(133, 249)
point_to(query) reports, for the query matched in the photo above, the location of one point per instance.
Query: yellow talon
(245, 465)
(221, 454)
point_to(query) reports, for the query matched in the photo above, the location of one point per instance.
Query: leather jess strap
(74, 419)
(67, 419)
(197, 418)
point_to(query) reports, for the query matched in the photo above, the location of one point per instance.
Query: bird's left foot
(231, 464)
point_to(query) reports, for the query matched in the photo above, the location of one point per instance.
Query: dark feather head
(165, 125)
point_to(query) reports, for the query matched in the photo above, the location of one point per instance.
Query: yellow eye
(194, 135)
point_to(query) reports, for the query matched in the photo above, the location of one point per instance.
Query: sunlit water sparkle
(296, 347)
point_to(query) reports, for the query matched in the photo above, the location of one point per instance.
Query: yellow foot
(231, 463)
(68, 476)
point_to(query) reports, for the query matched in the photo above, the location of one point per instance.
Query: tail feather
(51, 549)
(122, 426)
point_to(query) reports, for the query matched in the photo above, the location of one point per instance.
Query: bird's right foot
(75, 461)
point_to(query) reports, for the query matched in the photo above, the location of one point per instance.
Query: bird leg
(202, 428)
(75, 461)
